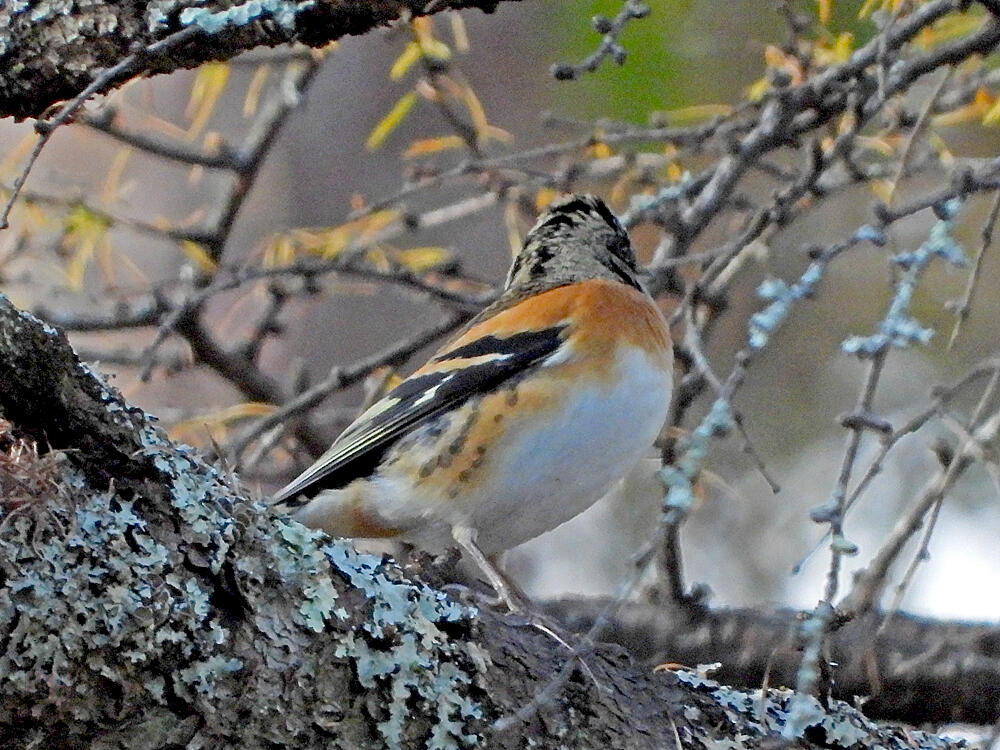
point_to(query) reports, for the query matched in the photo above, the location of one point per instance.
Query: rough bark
(913, 669)
(51, 50)
(145, 602)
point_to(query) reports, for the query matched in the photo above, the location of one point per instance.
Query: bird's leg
(505, 589)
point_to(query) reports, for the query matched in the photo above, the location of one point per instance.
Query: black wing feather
(360, 448)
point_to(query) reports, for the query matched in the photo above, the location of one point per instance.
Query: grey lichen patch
(797, 718)
(68, 37)
(160, 599)
(412, 613)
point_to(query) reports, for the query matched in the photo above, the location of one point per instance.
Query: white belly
(549, 471)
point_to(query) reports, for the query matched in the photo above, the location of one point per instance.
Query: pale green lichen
(788, 714)
(148, 602)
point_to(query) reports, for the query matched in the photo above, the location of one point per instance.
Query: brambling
(522, 420)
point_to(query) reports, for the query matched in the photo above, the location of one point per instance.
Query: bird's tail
(340, 513)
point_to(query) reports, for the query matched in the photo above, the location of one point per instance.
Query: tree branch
(915, 669)
(53, 51)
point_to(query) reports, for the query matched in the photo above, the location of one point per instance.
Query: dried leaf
(189, 430)
(198, 255)
(757, 89)
(420, 259)
(475, 108)
(252, 98)
(981, 106)
(112, 188)
(459, 33)
(411, 53)
(823, 8)
(544, 197)
(209, 83)
(84, 230)
(423, 29)
(693, 114)
(427, 146)
(883, 190)
(389, 123)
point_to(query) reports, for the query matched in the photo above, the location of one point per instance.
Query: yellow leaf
(189, 430)
(774, 57)
(389, 123)
(981, 106)
(375, 222)
(422, 26)
(410, 54)
(883, 189)
(843, 48)
(436, 49)
(458, 32)
(420, 259)
(327, 243)
(423, 29)
(694, 113)
(197, 255)
(112, 181)
(252, 97)
(823, 11)
(104, 262)
(209, 83)
(949, 28)
(847, 122)
(599, 151)
(427, 146)
(869, 6)
(992, 116)
(757, 89)
(493, 133)
(33, 216)
(674, 172)
(544, 197)
(879, 145)
(378, 259)
(475, 109)
(83, 231)
(76, 266)
(945, 156)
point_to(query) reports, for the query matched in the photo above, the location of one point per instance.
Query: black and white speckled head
(575, 238)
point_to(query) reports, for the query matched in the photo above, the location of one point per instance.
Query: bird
(522, 420)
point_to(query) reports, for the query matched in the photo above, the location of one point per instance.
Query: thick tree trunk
(146, 603)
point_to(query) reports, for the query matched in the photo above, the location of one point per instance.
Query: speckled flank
(524, 458)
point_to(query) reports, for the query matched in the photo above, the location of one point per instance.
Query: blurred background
(687, 60)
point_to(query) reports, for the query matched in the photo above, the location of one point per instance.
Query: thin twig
(340, 378)
(963, 308)
(868, 584)
(126, 66)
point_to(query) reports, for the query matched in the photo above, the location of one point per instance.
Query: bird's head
(575, 238)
